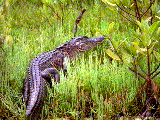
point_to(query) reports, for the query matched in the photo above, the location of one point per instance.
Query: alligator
(46, 66)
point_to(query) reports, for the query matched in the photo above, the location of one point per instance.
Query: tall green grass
(100, 90)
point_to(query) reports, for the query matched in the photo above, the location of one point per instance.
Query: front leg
(50, 73)
(64, 70)
(65, 61)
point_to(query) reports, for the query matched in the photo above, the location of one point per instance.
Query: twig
(77, 21)
(148, 64)
(137, 11)
(155, 69)
(135, 72)
(53, 11)
(151, 22)
(128, 19)
(124, 10)
(155, 75)
(149, 84)
(153, 84)
(147, 9)
(142, 70)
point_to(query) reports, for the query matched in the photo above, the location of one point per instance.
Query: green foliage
(112, 54)
(132, 10)
(93, 85)
(143, 50)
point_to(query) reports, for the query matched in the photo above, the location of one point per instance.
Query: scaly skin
(46, 66)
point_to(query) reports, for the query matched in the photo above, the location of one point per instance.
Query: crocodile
(46, 66)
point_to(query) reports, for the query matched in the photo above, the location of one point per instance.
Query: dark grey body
(46, 66)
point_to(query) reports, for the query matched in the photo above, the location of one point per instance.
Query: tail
(34, 109)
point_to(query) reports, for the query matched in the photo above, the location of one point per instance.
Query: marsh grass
(94, 87)
(98, 90)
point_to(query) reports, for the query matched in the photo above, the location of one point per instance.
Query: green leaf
(155, 7)
(144, 26)
(157, 55)
(146, 39)
(126, 2)
(158, 32)
(128, 47)
(127, 58)
(153, 27)
(112, 54)
(141, 50)
(109, 3)
(139, 24)
(104, 25)
(138, 33)
(111, 28)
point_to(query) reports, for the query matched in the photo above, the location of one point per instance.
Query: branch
(77, 21)
(128, 19)
(154, 86)
(155, 69)
(124, 10)
(151, 22)
(148, 64)
(137, 11)
(53, 11)
(142, 70)
(147, 9)
(126, 7)
(137, 73)
(142, 87)
(155, 75)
